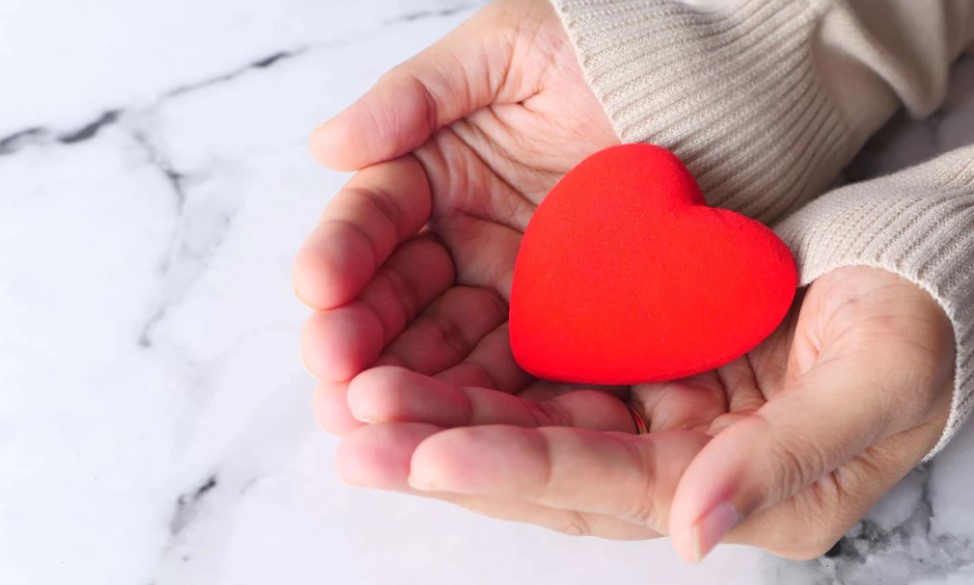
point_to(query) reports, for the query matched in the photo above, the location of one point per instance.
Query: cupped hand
(783, 449)
(411, 264)
(409, 272)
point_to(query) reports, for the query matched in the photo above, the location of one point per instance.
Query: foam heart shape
(625, 275)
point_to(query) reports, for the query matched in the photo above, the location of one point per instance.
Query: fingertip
(377, 127)
(395, 116)
(710, 530)
(461, 460)
(718, 484)
(379, 455)
(334, 264)
(338, 344)
(433, 463)
(363, 459)
(333, 146)
(370, 398)
(391, 394)
(310, 286)
(330, 408)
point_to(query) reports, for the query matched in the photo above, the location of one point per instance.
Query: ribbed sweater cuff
(918, 223)
(733, 92)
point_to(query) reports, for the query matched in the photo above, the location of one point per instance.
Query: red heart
(625, 276)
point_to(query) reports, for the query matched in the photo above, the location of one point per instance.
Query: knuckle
(652, 507)
(483, 374)
(485, 304)
(402, 289)
(385, 206)
(450, 334)
(549, 413)
(352, 230)
(799, 461)
(796, 469)
(410, 77)
(643, 513)
(574, 524)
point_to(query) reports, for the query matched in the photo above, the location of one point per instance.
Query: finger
(743, 394)
(449, 329)
(392, 394)
(330, 407)
(557, 467)
(741, 389)
(418, 273)
(837, 410)
(379, 456)
(380, 207)
(459, 74)
(490, 365)
(690, 404)
(339, 343)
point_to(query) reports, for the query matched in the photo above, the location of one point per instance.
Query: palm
(486, 172)
(713, 400)
(489, 170)
(412, 265)
(458, 204)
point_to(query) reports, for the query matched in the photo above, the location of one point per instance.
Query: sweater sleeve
(765, 100)
(918, 223)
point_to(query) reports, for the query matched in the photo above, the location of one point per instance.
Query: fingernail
(712, 527)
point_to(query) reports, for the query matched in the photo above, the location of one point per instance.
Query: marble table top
(155, 425)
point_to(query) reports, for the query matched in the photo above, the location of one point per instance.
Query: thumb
(824, 419)
(456, 76)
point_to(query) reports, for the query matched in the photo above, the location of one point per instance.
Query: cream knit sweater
(767, 100)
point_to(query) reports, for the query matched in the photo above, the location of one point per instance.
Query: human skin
(409, 273)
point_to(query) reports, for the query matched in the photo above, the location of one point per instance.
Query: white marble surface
(154, 418)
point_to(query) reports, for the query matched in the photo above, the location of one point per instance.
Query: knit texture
(733, 93)
(918, 223)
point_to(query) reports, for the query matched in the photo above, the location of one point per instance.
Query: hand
(411, 267)
(784, 449)
(411, 264)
